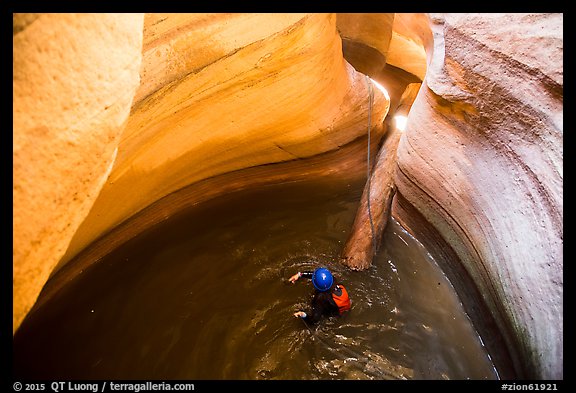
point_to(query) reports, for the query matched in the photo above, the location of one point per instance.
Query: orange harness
(341, 299)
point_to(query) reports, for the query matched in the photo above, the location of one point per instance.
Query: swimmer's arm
(312, 317)
(300, 274)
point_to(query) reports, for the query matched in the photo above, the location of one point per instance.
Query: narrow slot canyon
(172, 171)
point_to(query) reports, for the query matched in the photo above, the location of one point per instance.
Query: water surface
(204, 295)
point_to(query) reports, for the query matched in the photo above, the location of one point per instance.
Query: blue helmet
(322, 279)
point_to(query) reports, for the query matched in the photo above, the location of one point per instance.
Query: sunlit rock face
(411, 36)
(74, 80)
(481, 160)
(221, 93)
(365, 40)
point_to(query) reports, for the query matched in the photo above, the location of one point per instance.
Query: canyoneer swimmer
(330, 298)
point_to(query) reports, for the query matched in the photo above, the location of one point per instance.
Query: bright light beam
(381, 88)
(400, 122)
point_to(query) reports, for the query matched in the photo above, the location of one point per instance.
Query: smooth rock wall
(222, 93)
(481, 161)
(74, 78)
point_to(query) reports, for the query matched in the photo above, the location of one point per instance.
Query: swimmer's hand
(295, 277)
(300, 314)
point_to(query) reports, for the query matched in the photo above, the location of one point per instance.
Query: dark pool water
(204, 295)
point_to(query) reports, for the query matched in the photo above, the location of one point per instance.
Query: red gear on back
(342, 300)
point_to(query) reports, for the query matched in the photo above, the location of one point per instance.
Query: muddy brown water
(204, 295)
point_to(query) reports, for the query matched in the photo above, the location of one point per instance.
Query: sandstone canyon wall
(481, 161)
(74, 78)
(218, 93)
(218, 102)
